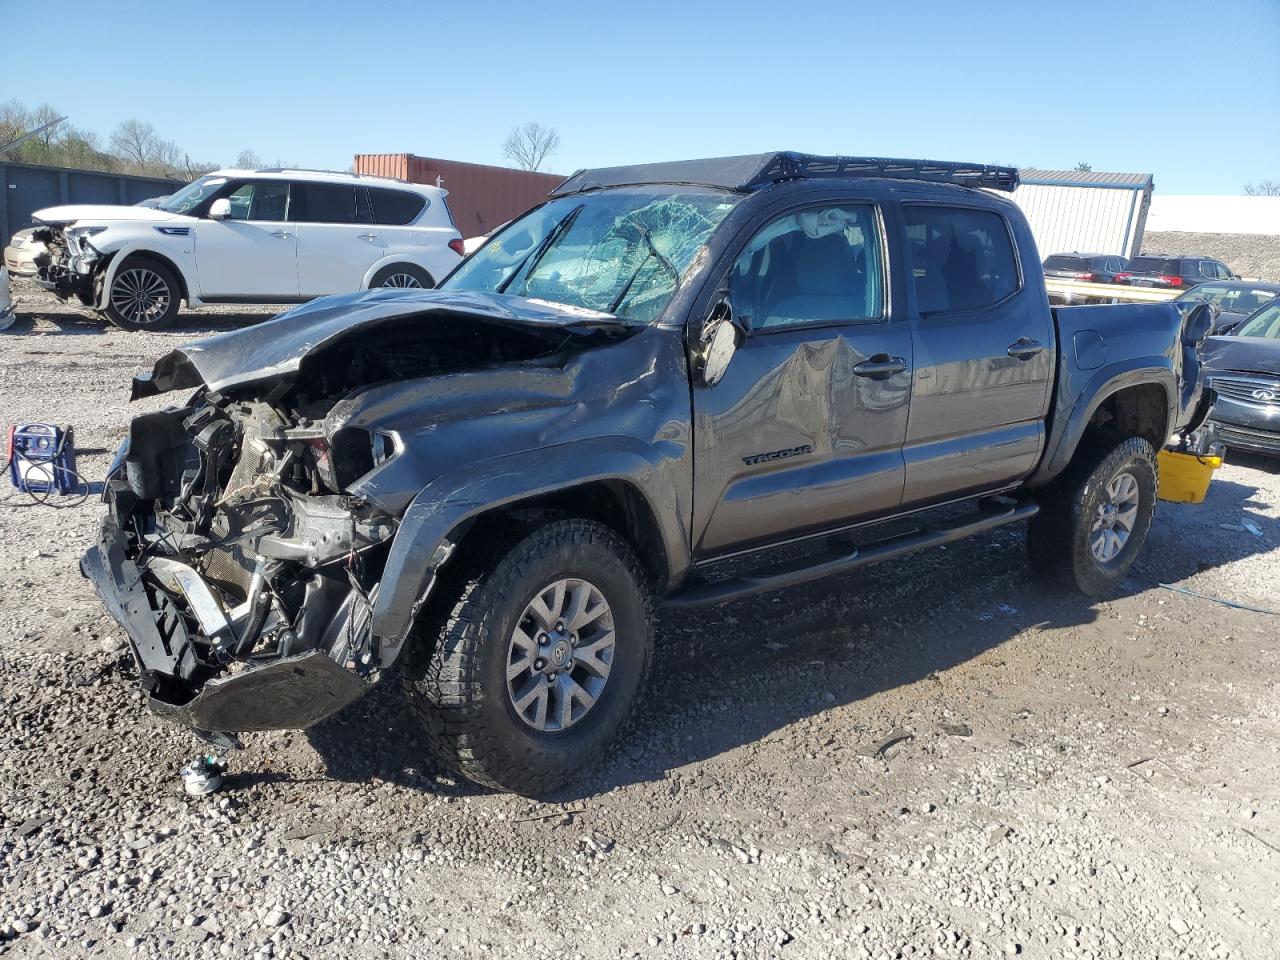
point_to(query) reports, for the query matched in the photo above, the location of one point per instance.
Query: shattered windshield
(191, 195)
(622, 251)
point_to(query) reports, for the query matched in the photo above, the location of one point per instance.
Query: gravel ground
(936, 757)
(1256, 256)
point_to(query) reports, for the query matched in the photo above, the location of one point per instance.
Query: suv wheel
(1093, 521)
(403, 275)
(527, 664)
(144, 295)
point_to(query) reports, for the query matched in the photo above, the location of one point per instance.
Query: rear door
(252, 255)
(805, 430)
(337, 241)
(984, 354)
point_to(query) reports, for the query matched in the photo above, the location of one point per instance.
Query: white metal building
(1070, 210)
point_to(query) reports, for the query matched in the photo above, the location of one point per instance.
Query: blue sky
(1188, 91)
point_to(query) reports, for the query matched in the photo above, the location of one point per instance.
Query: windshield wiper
(653, 252)
(538, 252)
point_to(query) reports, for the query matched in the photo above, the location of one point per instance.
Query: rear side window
(327, 203)
(1066, 263)
(395, 207)
(961, 259)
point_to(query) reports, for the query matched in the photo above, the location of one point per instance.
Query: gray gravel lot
(936, 757)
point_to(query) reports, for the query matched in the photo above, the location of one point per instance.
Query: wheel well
(164, 262)
(1137, 411)
(614, 503)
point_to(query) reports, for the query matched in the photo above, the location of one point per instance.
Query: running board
(791, 573)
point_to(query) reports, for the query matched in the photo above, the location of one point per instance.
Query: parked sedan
(1235, 300)
(1085, 267)
(20, 255)
(1244, 368)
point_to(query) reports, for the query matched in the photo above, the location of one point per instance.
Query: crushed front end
(241, 573)
(249, 547)
(70, 265)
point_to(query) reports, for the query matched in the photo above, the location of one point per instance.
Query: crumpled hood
(1242, 355)
(277, 347)
(101, 213)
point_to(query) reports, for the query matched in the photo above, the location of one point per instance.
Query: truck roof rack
(753, 171)
(332, 173)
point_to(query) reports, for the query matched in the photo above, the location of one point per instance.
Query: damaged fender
(456, 497)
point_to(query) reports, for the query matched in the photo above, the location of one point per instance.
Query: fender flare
(388, 261)
(1067, 431)
(420, 546)
(137, 248)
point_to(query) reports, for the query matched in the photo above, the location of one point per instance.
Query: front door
(984, 355)
(252, 255)
(805, 429)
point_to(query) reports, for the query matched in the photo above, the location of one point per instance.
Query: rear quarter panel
(1105, 349)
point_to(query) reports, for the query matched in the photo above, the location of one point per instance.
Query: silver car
(20, 255)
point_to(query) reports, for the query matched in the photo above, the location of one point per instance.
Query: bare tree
(135, 142)
(529, 145)
(42, 115)
(1263, 188)
(248, 160)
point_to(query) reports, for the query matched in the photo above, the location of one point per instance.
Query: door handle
(880, 367)
(1024, 348)
(366, 236)
(281, 234)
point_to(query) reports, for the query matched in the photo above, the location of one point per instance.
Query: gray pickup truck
(676, 383)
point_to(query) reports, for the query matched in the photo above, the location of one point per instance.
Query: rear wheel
(144, 295)
(1094, 520)
(529, 662)
(405, 276)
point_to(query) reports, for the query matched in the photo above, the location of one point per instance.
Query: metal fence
(27, 188)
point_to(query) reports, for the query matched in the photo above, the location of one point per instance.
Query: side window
(819, 265)
(1224, 272)
(261, 200)
(961, 259)
(327, 203)
(395, 207)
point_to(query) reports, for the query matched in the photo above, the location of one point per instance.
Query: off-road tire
(407, 269)
(454, 674)
(174, 294)
(1058, 537)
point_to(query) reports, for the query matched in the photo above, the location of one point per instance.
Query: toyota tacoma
(676, 383)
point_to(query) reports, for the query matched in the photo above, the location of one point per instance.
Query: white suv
(247, 236)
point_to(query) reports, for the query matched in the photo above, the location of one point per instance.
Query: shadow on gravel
(732, 675)
(69, 324)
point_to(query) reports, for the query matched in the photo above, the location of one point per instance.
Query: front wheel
(528, 663)
(144, 295)
(1094, 520)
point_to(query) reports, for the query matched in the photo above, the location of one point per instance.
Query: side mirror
(1198, 323)
(717, 342)
(220, 209)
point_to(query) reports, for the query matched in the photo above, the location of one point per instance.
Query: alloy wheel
(140, 295)
(560, 655)
(1115, 517)
(403, 280)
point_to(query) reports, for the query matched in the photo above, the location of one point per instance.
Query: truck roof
(752, 171)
